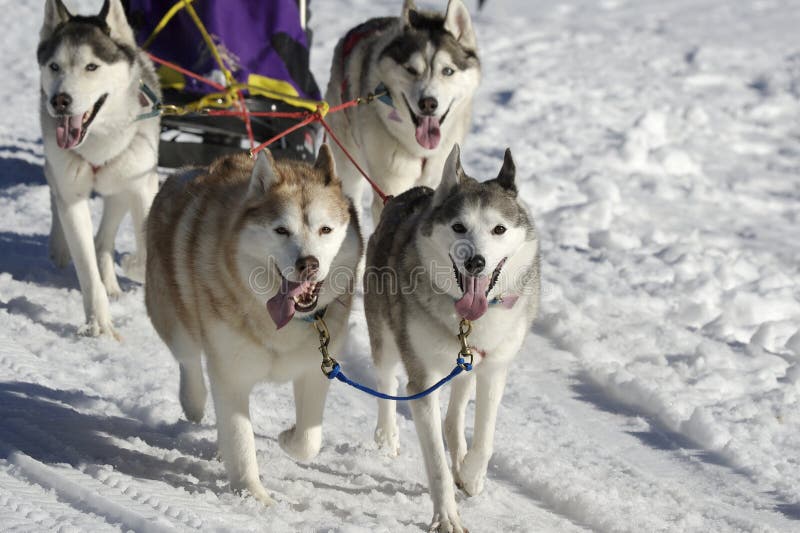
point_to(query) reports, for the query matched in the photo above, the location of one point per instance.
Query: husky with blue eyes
(100, 134)
(466, 250)
(426, 66)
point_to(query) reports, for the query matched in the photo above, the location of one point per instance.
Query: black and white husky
(96, 90)
(428, 64)
(465, 250)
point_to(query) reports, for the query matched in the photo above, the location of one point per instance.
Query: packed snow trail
(658, 146)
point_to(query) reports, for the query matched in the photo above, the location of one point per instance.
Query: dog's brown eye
(498, 229)
(447, 71)
(411, 70)
(91, 67)
(324, 230)
(54, 67)
(280, 230)
(459, 228)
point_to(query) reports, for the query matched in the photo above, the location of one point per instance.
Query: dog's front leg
(76, 222)
(140, 199)
(428, 421)
(490, 385)
(235, 438)
(59, 250)
(114, 209)
(303, 441)
(460, 392)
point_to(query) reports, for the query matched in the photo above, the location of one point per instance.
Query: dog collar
(309, 319)
(147, 96)
(381, 92)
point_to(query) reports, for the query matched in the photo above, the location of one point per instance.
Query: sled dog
(241, 257)
(96, 91)
(427, 63)
(467, 250)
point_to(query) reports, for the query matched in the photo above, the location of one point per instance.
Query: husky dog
(428, 65)
(92, 83)
(229, 247)
(466, 250)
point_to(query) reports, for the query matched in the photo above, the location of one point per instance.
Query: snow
(658, 146)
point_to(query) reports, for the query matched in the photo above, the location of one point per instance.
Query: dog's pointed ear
(327, 165)
(452, 175)
(459, 24)
(55, 12)
(508, 172)
(114, 15)
(263, 176)
(408, 7)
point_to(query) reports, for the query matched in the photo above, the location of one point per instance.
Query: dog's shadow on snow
(662, 438)
(19, 170)
(47, 425)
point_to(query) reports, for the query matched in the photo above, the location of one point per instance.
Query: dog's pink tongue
(473, 304)
(68, 131)
(428, 134)
(281, 306)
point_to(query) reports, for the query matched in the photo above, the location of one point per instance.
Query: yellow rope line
(209, 41)
(165, 20)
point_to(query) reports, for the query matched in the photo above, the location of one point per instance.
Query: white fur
(125, 151)
(430, 325)
(385, 148)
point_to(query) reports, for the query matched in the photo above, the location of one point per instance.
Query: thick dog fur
(421, 58)
(90, 67)
(426, 240)
(221, 242)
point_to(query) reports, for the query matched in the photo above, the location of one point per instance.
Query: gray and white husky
(429, 65)
(466, 250)
(94, 87)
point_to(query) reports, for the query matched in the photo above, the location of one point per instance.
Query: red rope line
(247, 124)
(185, 72)
(245, 114)
(272, 114)
(383, 196)
(308, 120)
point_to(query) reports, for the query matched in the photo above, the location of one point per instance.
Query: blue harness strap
(460, 367)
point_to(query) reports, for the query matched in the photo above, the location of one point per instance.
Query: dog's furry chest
(278, 358)
(495, 338)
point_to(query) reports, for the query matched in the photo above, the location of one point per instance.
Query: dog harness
(351, 40)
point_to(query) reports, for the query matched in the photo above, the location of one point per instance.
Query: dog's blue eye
(498, 229)
(459, 228)
(54, 67)
(324, 230)
(447, 71)
(91, 67)
(280, 230)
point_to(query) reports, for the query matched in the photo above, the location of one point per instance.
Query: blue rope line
(461, 366)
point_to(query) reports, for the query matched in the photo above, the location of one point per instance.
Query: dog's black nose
(475, 264)
(307, 266)
(427, 105)
(61, 102)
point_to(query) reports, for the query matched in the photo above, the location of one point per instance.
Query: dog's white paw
(471, 474)
(133, 266)
(388, 439)
(95, 328)
(301, 446)
(446, 522)
(256, 490)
